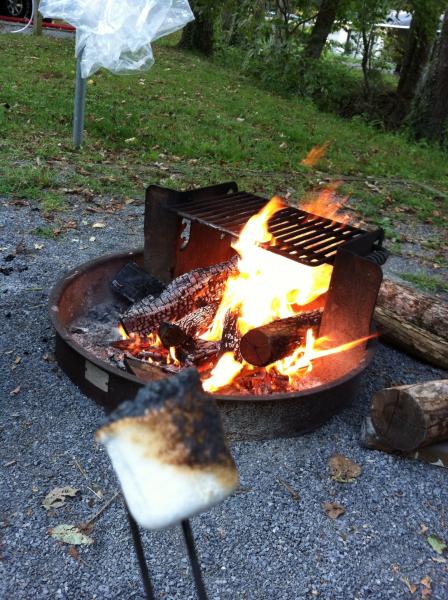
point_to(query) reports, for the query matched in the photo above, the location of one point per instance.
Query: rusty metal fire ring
(244, 417)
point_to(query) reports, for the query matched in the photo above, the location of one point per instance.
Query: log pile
(414, 322)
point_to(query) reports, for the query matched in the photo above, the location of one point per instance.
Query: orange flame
(315, 154)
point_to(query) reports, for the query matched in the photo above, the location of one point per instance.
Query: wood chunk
(183, 295)
(415, 322)
(144, 370)
(230, 340)
(198, 321)
(172, 335)
(266, 344)
(408, 417)
(133, 283)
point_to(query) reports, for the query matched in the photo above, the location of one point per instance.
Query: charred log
(266, 344)
(198, 321)
(410, 416)
(183, 295)
(231, 338)
(172, 335)
(133, 283)
(145, 370)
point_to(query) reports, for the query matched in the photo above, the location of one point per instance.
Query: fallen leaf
(283, 146)
(38, 246)
(70, 534)
(436, 544)
(92, 238)
(333, 509)
(56, 498)
(411, 587)
(98, 225)
(426, 581)
(423, 529)
(15, 391)
(439, 559)
(343, 470)
(73, 553)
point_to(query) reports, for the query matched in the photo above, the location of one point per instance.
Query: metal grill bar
(309, 239)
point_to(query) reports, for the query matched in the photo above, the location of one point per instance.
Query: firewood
(410, 416)
(133, 283)
(183, 295)
(145, 370)
(414, 322)
(231, 338)
(198, 321)
(202, 352)
(266, 344)
(172, 335)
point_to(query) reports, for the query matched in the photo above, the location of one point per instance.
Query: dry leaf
(98, 225)
(15, 391)
(70, 534)
(333, 509)
(411, 587)
(435, 542)
(426, 581)
(38, 246)
(343, 470)
(56, 498)
(92, 238)
(73, 553)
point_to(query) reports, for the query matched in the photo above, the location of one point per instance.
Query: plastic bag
(117, 34)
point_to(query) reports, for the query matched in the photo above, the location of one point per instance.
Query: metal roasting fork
(192, 555)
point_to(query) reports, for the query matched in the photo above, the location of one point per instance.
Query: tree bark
(421, 38)
(414, 322)
(322, 28)
(266, 344)
(198, 34)
(430, 116)
(410, 416)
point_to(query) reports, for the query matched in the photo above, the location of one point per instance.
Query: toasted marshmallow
(168, 450)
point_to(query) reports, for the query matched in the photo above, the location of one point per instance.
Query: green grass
(190, 121)
(425, 282)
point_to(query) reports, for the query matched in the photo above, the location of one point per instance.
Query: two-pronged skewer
(191, 549)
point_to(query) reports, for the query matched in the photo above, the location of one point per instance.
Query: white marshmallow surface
(158, 494)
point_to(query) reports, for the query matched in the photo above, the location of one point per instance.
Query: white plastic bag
(117, 34)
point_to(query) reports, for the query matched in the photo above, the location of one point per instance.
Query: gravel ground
(262, 543)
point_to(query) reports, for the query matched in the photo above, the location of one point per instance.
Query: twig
(290, 489)
(102, 509)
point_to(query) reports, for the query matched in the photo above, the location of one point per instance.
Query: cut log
(266, 344)
(198, 321)
(183, 295)
(415, 322)
(408, 417)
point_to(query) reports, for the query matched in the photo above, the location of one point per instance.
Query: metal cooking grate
(301, 236)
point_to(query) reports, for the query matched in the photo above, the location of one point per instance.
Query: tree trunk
(322, 28)
(198, 34)
(410, 416)
(430, 116)
(422, 34)
(414, 322)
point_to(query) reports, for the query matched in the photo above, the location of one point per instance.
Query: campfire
(251, 324)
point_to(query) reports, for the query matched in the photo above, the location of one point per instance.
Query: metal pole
(140, 556)
(80, 103)
(195, 566)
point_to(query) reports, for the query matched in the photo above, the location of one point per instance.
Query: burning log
(231, 339)
(415, 322)
(410, 416)
(172, 335)
(183, 295)
(198, 321)
(266, 344)
(145, 370)
(202, 352)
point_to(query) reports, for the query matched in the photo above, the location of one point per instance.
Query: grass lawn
(188, 122)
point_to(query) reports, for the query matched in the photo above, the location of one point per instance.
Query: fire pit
(292, 370)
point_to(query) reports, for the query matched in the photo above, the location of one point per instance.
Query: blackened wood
(198, 321)
(133, 283)
(266, 344)
(231, 338)
(129, 344)
(144, 370)
(172, 335)
(410, 416)
(202, 352)
(183, 295)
